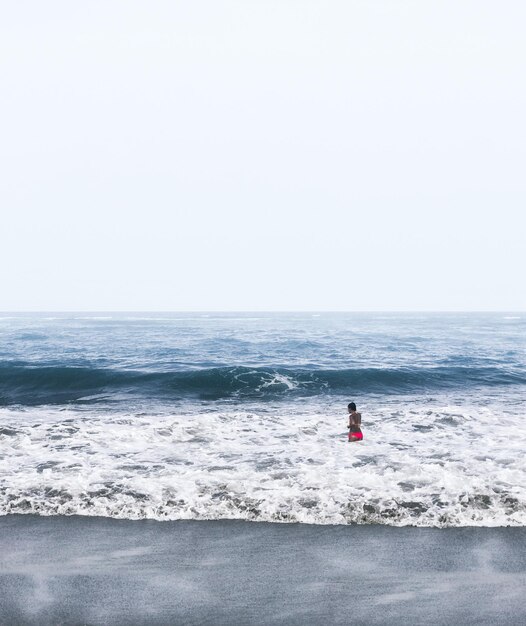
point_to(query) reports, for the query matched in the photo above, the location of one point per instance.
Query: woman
(355, 421)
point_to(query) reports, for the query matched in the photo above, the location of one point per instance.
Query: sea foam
(428, 467)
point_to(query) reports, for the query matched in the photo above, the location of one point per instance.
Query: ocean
(243, 417)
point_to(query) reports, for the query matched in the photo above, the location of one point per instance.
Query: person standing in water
(355, 421)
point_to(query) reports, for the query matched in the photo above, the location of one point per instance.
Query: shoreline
(94, 570)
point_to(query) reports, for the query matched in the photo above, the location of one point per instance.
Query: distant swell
(26, 384)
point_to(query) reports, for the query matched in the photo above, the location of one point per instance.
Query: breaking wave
(28, 384)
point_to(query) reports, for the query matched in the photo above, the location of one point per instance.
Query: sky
(259, 155)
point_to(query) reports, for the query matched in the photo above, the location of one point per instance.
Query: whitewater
(223, 416)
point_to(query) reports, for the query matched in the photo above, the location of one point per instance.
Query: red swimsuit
(355, 433)
(355, 436)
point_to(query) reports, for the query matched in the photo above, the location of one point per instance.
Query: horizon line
(260, 311)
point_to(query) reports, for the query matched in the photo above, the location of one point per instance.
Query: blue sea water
(214, 416)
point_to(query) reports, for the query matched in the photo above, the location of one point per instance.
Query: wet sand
(79, 570)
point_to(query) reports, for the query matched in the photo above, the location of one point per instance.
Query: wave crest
(29, 384)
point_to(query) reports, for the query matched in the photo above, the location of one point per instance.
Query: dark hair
(352, 406)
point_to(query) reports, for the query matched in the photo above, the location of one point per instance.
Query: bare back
(355, 420)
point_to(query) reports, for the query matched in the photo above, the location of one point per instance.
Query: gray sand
(77, 570)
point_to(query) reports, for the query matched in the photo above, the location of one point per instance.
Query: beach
(195, 469)
(262, 329)
(82, 570)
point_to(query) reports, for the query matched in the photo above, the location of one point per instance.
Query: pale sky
(257, 155)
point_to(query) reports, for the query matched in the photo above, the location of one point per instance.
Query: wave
(117, 501)
(420, 464)
(22, 383)
(218, 502)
